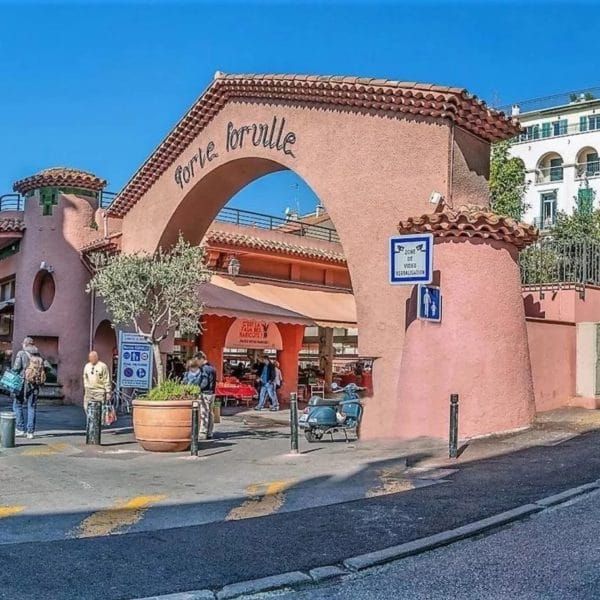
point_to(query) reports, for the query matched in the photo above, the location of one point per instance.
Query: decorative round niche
(44, 289)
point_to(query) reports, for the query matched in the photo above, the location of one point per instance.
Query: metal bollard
(195, 427)
(294, 422)
(7, 429)
(453, 442)
(94, 423)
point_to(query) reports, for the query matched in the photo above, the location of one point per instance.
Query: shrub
(172, 390)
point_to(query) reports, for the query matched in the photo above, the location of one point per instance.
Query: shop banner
(258, 335)
(135, 361)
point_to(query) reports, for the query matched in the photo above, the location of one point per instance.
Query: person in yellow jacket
(96, 381)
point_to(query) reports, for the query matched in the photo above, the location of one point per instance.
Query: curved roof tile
(60, 177)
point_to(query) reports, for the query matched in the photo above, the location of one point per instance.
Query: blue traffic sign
(411, 259)
(430, 303)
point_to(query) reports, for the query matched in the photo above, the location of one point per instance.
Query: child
(193, 374)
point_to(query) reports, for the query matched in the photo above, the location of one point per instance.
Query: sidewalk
(331, 502)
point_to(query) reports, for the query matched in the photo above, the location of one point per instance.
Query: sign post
(135, 362)
(411, 259)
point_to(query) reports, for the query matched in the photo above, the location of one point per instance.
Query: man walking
(32, 368)
(268, 376)
(96, 381)
(208, 383)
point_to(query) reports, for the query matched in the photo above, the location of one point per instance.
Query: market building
(314, 288)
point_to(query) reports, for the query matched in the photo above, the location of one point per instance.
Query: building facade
(559, 146)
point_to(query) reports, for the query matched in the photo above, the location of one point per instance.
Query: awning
(223, 302)
(279, 302)
(7, 306)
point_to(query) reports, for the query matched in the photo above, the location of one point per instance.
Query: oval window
(44, 290)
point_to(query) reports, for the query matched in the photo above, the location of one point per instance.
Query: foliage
(507, 182)
(155, 293)
(171, 390)
(581, 225)
(539, 264)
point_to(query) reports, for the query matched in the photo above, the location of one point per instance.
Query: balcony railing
(106, 198)
(553, 263)
(537, 132)
(544, 223)
(289, 226)
(549, 174)
(11, 202)
(587, 169)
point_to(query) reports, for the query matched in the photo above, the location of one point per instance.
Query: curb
(372, 559)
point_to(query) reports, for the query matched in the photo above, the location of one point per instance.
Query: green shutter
(563, 126)
(546, 132)
(582, 123)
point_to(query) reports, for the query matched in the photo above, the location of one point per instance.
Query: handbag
(109, 414)
(12, 381)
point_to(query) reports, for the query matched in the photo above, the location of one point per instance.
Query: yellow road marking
(112, 520)
(265, 499)
(7, 511)
(48, 450)
(391, 482)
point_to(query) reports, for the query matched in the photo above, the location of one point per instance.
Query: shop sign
(411, 259)
(135, 361)
(251, 334)
(273, 135)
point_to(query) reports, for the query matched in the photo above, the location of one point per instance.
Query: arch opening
(588, 163)
(550, 168)
(280, 273)
(105, 343)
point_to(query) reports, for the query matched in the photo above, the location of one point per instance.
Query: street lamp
(233, 268)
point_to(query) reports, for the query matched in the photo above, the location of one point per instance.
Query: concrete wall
(563, 305)
(552, 353)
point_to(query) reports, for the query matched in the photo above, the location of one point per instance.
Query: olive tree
(156, 293)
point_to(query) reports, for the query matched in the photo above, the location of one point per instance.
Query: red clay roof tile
(60, 177)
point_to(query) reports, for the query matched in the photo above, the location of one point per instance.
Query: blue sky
(96, 85)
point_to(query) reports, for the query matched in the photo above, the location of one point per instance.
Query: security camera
(435, 198)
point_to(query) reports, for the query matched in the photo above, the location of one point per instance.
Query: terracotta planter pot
(163, 426)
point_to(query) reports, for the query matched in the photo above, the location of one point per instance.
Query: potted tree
(156, 294)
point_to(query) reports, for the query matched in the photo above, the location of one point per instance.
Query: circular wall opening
(43, 290)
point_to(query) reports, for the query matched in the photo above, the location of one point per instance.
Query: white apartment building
(559, 146)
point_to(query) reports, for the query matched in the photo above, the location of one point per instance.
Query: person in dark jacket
(207, 383)
(268, 375)
(25, 401)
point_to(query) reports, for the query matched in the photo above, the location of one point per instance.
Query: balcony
(290, 226)
(544, 223)
(549, 175)
(587, 169)
(11, 202)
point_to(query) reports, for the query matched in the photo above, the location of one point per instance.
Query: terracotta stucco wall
(56, 239)
(552, 348)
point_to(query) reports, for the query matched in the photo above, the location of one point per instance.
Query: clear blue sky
(97, 85)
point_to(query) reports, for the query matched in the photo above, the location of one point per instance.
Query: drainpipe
(92, 310)
(105, 223)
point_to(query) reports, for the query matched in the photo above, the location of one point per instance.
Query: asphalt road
(553, 556)
(164, 561)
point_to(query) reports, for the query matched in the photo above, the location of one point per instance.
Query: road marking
(48, 450)
(265, 499)
(114, 520)
(391, 481)
(8, 511)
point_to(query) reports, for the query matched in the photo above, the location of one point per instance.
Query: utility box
(587, 382)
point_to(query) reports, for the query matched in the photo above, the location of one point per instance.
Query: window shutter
(582, 123)
(545, 130)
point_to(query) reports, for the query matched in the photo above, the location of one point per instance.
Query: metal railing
(587, 169)
(106, 198)
(289, 226)
(549, 174)
(562, 99)
(11, 202)
(536, 132)
(544, 223)
(557, 263)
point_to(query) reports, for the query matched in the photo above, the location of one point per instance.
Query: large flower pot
(163, 426)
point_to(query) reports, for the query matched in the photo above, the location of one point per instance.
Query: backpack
(35, 373)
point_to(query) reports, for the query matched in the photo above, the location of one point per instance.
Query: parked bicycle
(122, 400)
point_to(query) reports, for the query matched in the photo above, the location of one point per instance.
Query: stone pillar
(212, 340)
(326, 355)
(292, 336)
(480, 349)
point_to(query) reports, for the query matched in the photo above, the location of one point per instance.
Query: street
(90, 518)
(552, 556)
